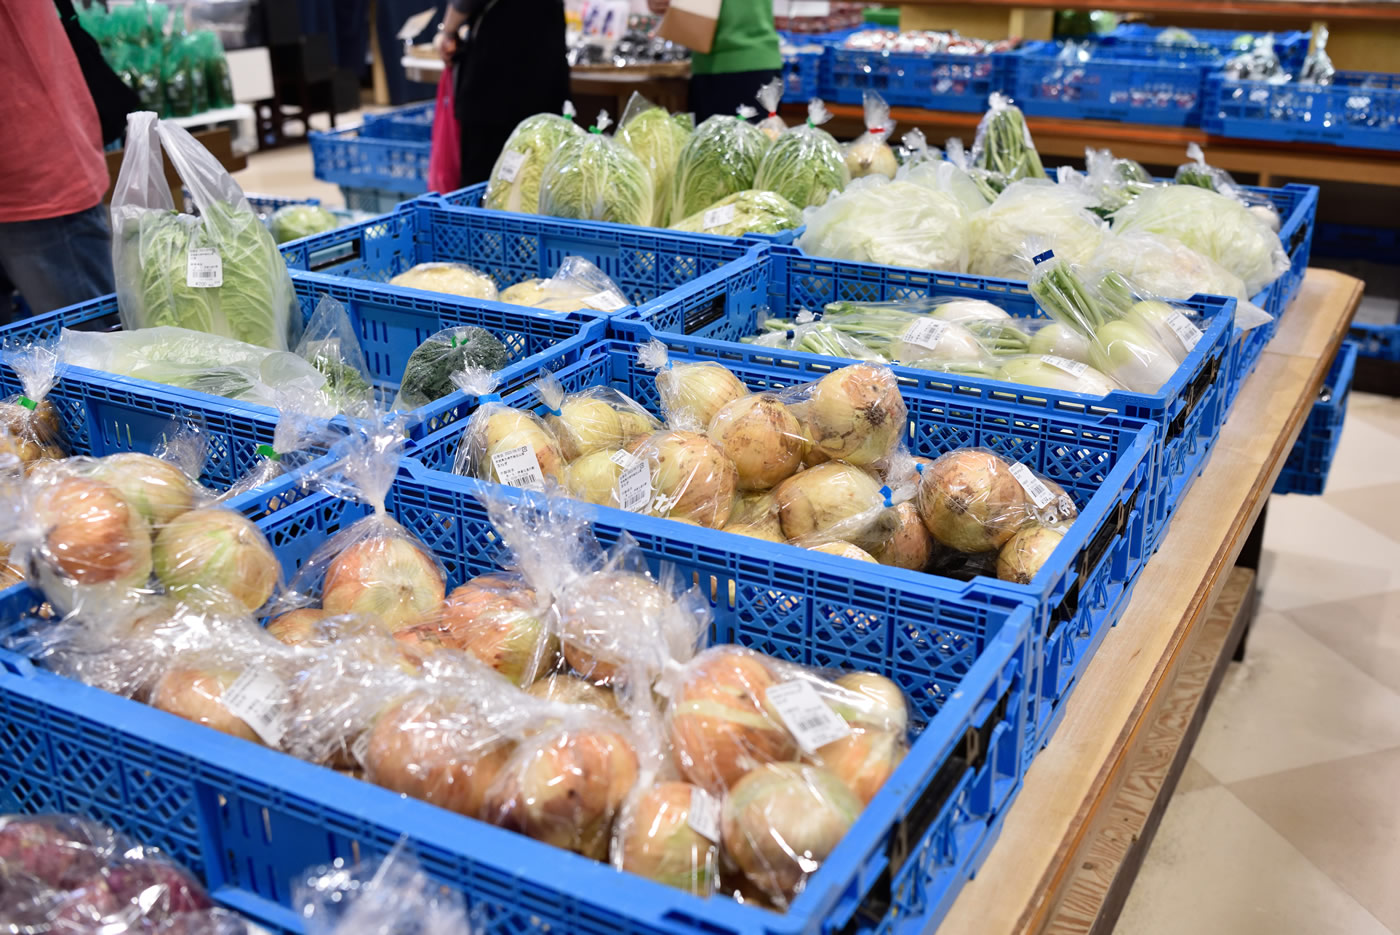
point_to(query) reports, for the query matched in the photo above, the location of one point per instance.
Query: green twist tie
(267, 451)
(27, 403)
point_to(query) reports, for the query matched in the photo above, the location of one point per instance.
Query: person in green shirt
(743, 57)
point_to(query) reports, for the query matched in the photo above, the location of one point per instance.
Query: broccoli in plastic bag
(428, 374)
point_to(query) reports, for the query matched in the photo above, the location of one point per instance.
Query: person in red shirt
(55, 243)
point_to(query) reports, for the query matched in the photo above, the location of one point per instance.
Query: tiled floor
(1287, 819)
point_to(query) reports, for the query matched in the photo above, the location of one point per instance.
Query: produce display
(923, 42)
(804, 164)
(870, 154)
(515, 179)
(450, 278)
(656, 138)
(594, 177)
(292, 222)
(721, 157)
(746, 212)
(428, 374)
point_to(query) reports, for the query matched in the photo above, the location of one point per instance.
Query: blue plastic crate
(1291, 47)
(1105, 463)
(250, 820)
(349, 158)
(391, 323)
(1188, 411)
(413, 123)
(1297, 208)
(1357, 242)
(645, 263)
(1245, 350)
(1310, 461)
(940, 81)
(802, 73)
(267, 204)
(1359, 109)
(1377, 342)
(372, 200)
(1116, 83)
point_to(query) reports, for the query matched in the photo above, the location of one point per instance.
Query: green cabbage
(291, 222)
(804, 165)
(1029, 208)
(656, 138)
(515, 179)
(721, 158)
(890, 223)
(593, 177)
(755, 212)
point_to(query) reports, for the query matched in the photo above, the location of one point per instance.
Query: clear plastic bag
(691, 392)
(870, 153)
(804, 164)
(515, 179)
(656, 138)
(594, 177)
(855, 414)
(449, 278)
(691, 478)
(1028, 209)
(505, 445)
(746, 212)
(596, 419)
(379, 897)
(576, 285)
(813, 337)
(1003, 143)
(898, 223)
(763, 439)
(770, 97)
(219, 272)
(720, 158)
(30, 427)
(427, 376)
(917, 330)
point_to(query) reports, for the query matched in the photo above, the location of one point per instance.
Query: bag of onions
(30, 427)
(501, 444)
(869, 153)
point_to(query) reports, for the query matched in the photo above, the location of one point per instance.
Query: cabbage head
(1057, 214)
(656, 138)
(1213, 225)
(449, 279)
(515, 179)
(592, 177)
(890, 223)
(721, 157)
(291, 222)
(755, 212)
(804, 165)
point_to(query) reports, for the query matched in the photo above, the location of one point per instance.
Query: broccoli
(428, 374)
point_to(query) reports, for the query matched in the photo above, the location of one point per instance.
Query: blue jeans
(60, 261)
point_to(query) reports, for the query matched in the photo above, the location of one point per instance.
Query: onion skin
(856, 414)
(586, 424)
(694, 478)
(886, 708)
(156, 489)
(755, 514)
(845, 550)
(970, 501)
(33, 436)
(91, 535)
(1024, 553)
(910, 545)
(197, 695)
(863, 759)
(387, 577)
(507, 429)
(568, 689)
(602, 614)
(220, 550)
(500, 627)
(658, 843)
(781, 817)
(695, 392)
(593, 478)
(296, 627)
(763, 439)
(823, 496)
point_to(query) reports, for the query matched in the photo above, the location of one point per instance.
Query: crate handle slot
(334, 255)
(1193, 394)
(703, 316)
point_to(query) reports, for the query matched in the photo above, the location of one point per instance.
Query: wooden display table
(1075, 837)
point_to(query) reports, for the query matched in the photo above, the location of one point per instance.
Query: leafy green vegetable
(515, 179)
(291, 222)
(804, 165)
(755, 212)
(721, 158)
(595, 178)
(656, 138)
(428, 374)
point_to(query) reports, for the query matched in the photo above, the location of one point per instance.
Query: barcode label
(256, 698)
(634, 487)
(1035, 489)
(808, 718)
(1181, 326)
(518, 467)
(204, 269)
(511, 161)
(1074, 368)
(718, 217)
(703, 817)
(623, 459)
(925, 332)
(605, 301)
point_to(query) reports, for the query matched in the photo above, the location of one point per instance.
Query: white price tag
(1181, 326)
(1035, 489)
(511, 161)
(1075, 368)
(204, 269)
(634, 487)
(623, 458)
(518, 467)
(808, 718)
(255, 698)
(925, 332)
(605, 301)
(703, 817)
(718, 217)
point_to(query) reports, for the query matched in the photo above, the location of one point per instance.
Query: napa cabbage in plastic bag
(593, 177)
(746, 212)
(656, 138)
(515, 179)
(890, 223)
(721, 158)
(804, 164)
(449, 278)
(1032, 208)
(577, 284)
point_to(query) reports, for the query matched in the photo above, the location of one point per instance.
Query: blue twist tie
(557, 413)
(791, 334)
(489, 398)
(919, 467)
(886, 492)
(1042, 257)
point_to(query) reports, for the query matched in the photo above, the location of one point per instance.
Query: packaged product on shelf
(577, 285)
(804, 164)
(596, 419)
(691, 392)
(501, 444)
(656, 138)
(899, 223)
(1202, 175)
(720, 158)
(1032, 208)
(30, 427)
(427, 376)
(770, 96)
(594, 177)
(1003, 143)
(746, 212)
(451, 278)
(515, 179)
(292, 222)
(870, 153)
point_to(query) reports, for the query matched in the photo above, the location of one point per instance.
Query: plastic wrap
(763, 439)
(505, 445)
(1317, 65)
(813, 337)
(929, 329)
(576, 285)
(770, 97)
(691, 392)
(427, 376)
(596, 419)
(1029, 209)
(890, 223)
(291, 222)
(449, 278)
(515, 179)
(656, 138)
(720, 158)
(379, 897)
(594, 177)
(746, 212)
(692, 479)
(804, 164)
(329, 343)
(1003, 143)
(219, 272)
(1113, 181)
(30, 427)
(870, 153)
(855, 414)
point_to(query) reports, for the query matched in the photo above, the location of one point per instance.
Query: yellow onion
(907, 543)
(656, 841)
(387, 577)
(694, 392)
(585, 424)
(508, 429)
(91, 535)
(219, 551)
(690, 478)
(500, 626)
(157, 489)
(762, 437)
(820, 497)
(196, 694)
(845, 550)
(856, 414)
(970, 501)
(1025, 552)
(569, 689)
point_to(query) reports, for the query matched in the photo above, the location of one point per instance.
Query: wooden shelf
(1315, 10)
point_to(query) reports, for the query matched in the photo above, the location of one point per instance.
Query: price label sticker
(518, 467)
(926, 332)
(256, 698)
(1074, 368)
(703, 817)
(605, 301)
(1182, 327)
(718, 217)
(634, 487)
(623, 459)
(204, 268)
(1034, 487)
(809, 719)
(511, 161)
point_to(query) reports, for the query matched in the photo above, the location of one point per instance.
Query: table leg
(1249, 558)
